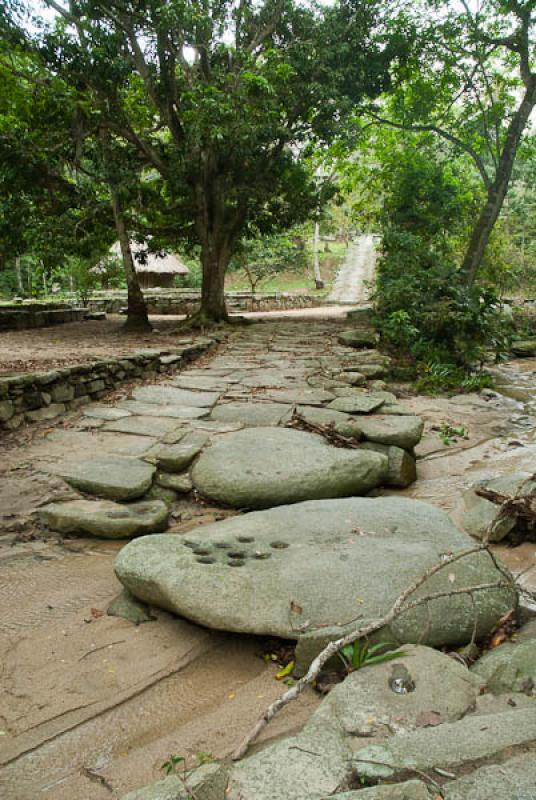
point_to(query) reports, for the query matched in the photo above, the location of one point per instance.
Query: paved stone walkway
(356, 271)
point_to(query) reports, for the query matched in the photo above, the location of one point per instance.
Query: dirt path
(356, 271)
(93, 705)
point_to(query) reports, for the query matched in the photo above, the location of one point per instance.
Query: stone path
(93, 704)
(357, 269)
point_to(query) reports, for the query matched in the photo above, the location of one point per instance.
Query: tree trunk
(319, 283)
(498, 189)
(137, 317)
(214, 264)
(18, 271)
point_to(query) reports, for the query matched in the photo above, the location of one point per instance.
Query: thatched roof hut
(155, 270)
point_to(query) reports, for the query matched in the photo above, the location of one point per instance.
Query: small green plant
(175, 765)
(436, 377)
(361, 654)
(449, 434)
(204, 758)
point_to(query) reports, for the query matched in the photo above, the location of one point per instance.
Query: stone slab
(142, 426)
(106, 519)
(167, 394)
(111, 477)
(263, 467)
(299, 568)
(449, 745)
(251, 415)
(161, 410)
(400, 431)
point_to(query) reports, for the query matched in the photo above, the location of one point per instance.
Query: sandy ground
(93, 705)
(80, 342)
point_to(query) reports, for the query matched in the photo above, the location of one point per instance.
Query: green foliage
(449, 434)
(360, 654)
(174, 765)
(422, 301)
(435, 377)
(264, 257)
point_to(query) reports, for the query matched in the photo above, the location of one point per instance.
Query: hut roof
(159, 263)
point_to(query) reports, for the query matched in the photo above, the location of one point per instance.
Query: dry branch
(400, 606)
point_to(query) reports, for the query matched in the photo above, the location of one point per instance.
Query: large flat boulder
(106, 519)
(263, 467)
(302, 567)
(111, 477)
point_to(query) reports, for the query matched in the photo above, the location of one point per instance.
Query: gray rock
(177, 483)
(479, 513)
(509, 668)
(359, 337)
(373, 370)
(105, 412)
(106, 519)
(161, 410)
(112, 477)
(165, 394)
(511, 780)
(449, 745)
(399, 431)
(251, 415)
(401, 470)
(156, 492)
(524, 347)
(358, 404)
(142, 426)
(303, 397)
(208, 782)
(303, 567)
(305, 767)
(62, 393)
(47, 412)
(364, 704)
(353, 378)
(177, 457)
(6, 410)
(198, 381)
(344, 424)
(128, 607)
(409, 790)
(262, 467)
(399, 409)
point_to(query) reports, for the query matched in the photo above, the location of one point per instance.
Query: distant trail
(358, 267)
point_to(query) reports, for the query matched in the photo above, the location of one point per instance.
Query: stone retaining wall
(182, 301)
(32, 397)
(19, 318)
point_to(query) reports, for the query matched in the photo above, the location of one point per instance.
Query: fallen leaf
(285, 671)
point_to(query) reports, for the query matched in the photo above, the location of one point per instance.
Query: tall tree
(222, 98)
(472, 83)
